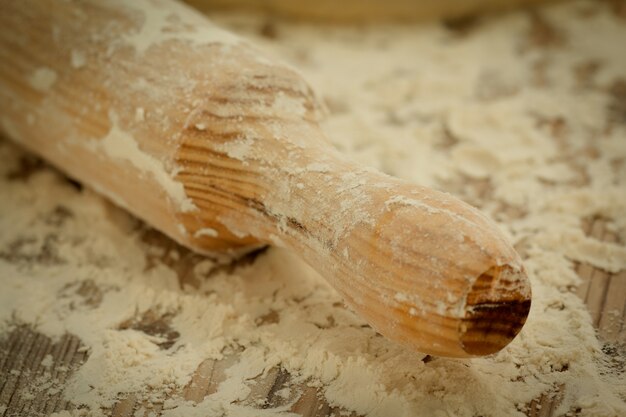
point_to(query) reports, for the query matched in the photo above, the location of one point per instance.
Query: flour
(158, 24)
(78, 59)
(119, 144)
(206, 231)
(504, 125)
(42, 79)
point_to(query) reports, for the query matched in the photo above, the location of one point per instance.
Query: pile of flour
(523, 115)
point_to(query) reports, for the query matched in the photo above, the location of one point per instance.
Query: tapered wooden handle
(200, 135)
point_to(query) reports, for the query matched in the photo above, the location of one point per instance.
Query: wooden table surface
(22, 352)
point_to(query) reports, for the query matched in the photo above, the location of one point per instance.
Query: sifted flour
(523, 115)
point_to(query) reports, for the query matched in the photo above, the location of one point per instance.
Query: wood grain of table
(23, 350)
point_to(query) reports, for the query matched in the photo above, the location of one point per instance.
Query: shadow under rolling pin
(197, 133)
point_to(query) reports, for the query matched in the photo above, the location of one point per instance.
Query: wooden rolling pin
(196, 132)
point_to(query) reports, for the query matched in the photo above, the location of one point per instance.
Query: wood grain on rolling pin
(219, 147)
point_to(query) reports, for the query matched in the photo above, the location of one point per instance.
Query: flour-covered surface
(523, 115)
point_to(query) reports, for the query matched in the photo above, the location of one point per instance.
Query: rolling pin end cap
(496, 310)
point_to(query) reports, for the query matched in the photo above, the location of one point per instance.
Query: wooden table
(23, 350)
(22, 353)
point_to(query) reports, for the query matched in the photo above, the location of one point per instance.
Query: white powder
(240, 148)
(140, 114)
(42, 79)
(528, 144)
(206, 231)
(47, 361)
(288, 106)
(79, 59)
(119, 144)
(159, 23)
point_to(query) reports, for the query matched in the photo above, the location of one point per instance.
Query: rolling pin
(196, 132)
